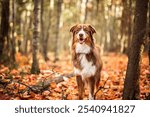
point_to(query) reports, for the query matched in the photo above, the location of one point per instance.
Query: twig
(101, 87)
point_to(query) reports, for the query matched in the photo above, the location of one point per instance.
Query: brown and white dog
(86, 59)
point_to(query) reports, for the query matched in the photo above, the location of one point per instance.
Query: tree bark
(124, 25)
(59, 4)
(42, 26)
(129, 25)
(25, 35)
(149, 35)
(35, 64)
(46, 41)
(86, 12)
(45, 36)
(97, 6)
(4, 30)
(131, 85)
(12, 41)
(83, 16)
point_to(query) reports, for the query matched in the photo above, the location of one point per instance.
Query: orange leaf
(46, 93)
(4, 70)
(14, 72)
(53, 85)
(58, 90)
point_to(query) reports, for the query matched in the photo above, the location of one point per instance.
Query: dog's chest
(87, 68)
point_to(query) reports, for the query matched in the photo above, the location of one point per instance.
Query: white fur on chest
(88, 69)
(82, 48)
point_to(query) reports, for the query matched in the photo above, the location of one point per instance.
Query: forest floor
(19, 84)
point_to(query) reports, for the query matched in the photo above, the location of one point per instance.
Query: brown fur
(93, 56)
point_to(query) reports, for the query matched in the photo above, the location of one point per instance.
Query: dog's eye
(86, 30)
(77, 31)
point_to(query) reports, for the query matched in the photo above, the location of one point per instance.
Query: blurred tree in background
(35, 41)
(4, 27)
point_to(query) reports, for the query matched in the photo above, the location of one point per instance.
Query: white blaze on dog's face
(81, 35)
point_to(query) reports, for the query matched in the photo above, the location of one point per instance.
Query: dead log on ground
(44, 85)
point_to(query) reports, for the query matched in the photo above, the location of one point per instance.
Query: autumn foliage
(19, 84)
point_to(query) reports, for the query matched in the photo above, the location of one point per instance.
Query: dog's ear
(92, 29)
(72, 28)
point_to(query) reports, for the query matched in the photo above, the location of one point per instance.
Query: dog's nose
(81, 35)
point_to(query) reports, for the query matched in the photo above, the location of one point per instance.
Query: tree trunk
(45, 36)
(83, 11)
(149, 35)
(124, 25)
(59, 4)
(86, 12)
(35, 65)
(46, 40)
(4, 30)
(42, 25)
(47, 33)
(97, 6)
(12, 39)
(131, 85)
(129, 25)
(25, 35)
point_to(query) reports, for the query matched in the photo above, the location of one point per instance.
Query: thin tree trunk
(35, 64)
(47, 33)
(27, 24)
(83, 11)
(129, 24)
(86, 12)
(45, 43)
(29, 35)
(42, 25)
(46, 39)
(25, 39)
(4, 30)
(124, 25)
(59, 4)
(13, 50)
(149, 35)
(97, 6)
(18, 22)
(131, 85)
(45, 36)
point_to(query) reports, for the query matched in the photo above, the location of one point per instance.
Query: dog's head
(83, 33)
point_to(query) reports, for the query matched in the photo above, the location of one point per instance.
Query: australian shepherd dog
(86, 59)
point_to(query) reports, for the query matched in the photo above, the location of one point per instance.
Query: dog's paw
(91, 98)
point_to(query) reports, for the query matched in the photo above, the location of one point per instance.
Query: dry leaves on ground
(19, 84)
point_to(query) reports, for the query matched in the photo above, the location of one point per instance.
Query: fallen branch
(40, 86)
(60, 78)
(43, 85)
(46, 83)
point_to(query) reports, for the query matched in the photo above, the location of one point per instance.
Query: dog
(86, 59)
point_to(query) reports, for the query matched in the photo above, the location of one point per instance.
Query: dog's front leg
(91, 85)
(80, 84)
